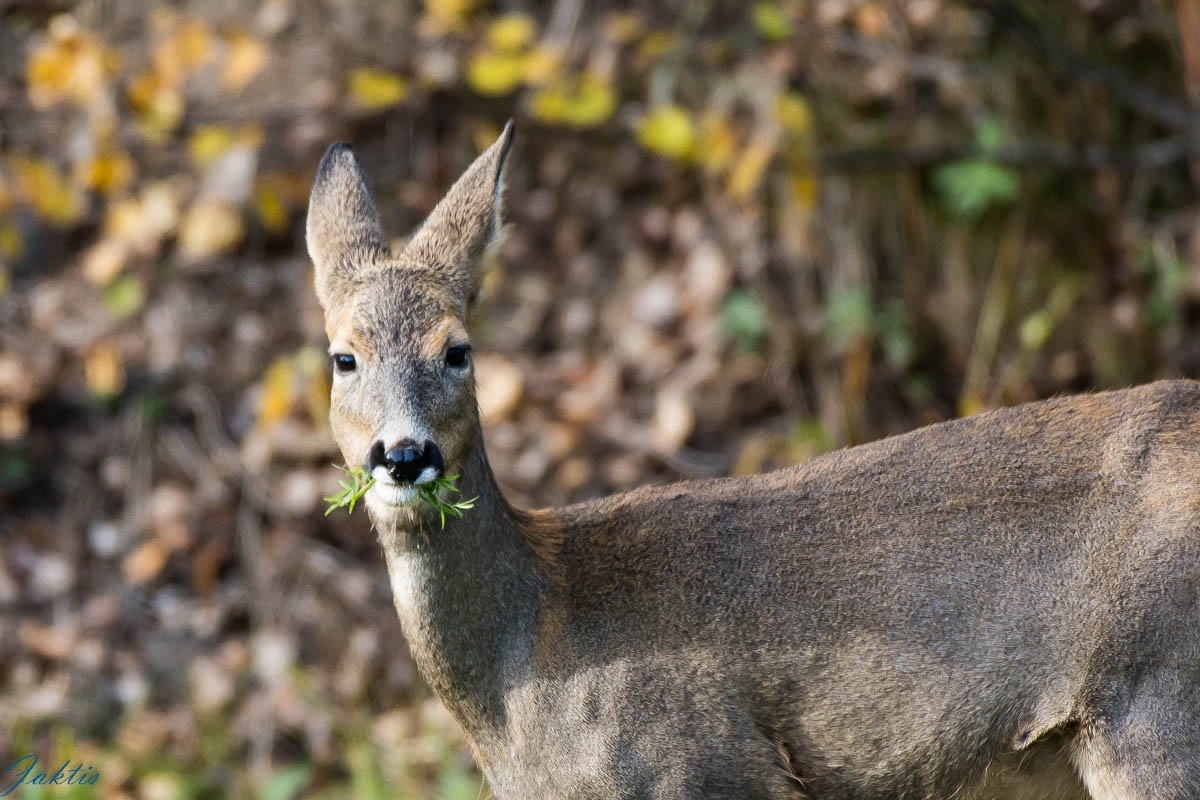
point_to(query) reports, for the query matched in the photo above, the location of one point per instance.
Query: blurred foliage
(742, 235)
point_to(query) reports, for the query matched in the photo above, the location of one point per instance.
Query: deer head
(403, 400)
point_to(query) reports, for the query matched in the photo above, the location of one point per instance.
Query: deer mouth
(390, 493)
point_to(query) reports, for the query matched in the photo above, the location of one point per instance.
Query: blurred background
(742, 235)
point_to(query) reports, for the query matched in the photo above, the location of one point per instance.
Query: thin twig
(1124, 87)
(1021, 154)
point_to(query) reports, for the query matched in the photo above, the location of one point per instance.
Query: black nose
(406, 460)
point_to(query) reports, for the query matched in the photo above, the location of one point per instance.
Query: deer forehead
(399, 314)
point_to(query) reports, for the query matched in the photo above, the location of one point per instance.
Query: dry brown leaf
(210, 227)
(575, 473)
(144, 563)
(673, 421)
(104, 261)
(14, 421)
(104, 372)
(500, 387)
(48, 641)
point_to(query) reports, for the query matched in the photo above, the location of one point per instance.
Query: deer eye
(343, 363)
(456, 357)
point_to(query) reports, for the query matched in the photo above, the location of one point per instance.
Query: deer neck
(466, 595)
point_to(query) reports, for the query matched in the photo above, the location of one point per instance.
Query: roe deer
(997, 606)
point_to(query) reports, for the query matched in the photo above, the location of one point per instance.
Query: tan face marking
(339, 327)
(446, 333)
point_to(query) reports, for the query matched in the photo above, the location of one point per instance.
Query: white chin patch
(389, 494)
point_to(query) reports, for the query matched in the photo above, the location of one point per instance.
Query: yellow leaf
(275, 403)
(313, 366)
(141, 89)
(805, 187)
(6, 198)
(103, 372)
(11, 245)
(52, 197)
(209, 143)
(716, 143)
(72, 64)
(551, 104)
(5, 282)
(594, 102)
(511, 32)
(793, 113)
(445, 16)
(108, 171)
(622, 26)
(246, 59)
(668, 130)
(542, 64)
(583, 103)
(495, 74)
(158, 112)
(658, 44)
(484, 134)
(376, 89)
(48, 75)
(971, 403)
(748, 171)
(192, 44)
(168, 68)
(210, 227)
(269, 207)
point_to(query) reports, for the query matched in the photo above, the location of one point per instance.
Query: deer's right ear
(344, 231)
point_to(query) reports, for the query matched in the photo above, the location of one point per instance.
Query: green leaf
(365, 774)
(429, 493)
(352, 490)
(287, 783)
(360, 481)
(458, 785)
(744, 321)
(771, 22)
(125, 296)
(1168, 274)
(895, 334)
(991, 134)
(1036, 329)
(969, 188)
(848, 317)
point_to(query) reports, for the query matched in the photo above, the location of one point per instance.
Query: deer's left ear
(466, 221)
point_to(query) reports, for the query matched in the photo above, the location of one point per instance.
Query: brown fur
(1004, 606)
(545, 534)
